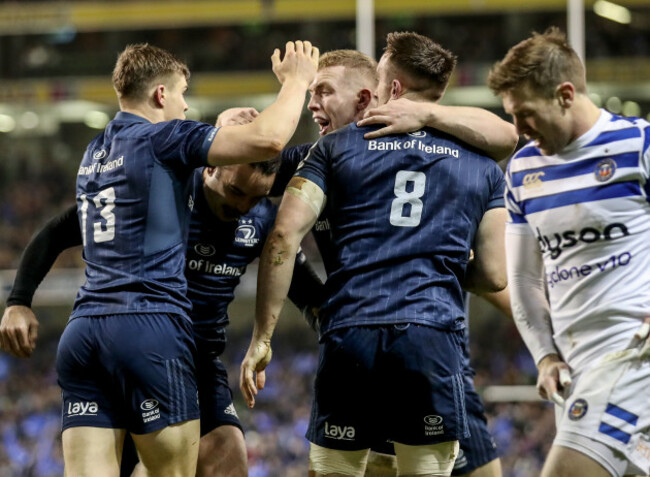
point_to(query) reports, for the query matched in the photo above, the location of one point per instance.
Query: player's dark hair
(541, 62)
(141, 65)
(427, 65)
(267, 168)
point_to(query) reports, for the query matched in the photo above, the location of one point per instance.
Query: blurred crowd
(27, 201)
(30, 403)
(476, 39)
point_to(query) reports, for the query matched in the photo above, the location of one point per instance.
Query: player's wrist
(548, 360)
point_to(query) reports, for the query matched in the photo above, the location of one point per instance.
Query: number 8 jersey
(402, 211)
(133, 213)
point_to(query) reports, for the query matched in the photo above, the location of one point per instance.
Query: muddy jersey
(387, 202)
(587, 207)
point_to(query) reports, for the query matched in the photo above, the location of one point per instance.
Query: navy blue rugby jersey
(133, 214)
(402, 211)
(217, 255)
(291, 158)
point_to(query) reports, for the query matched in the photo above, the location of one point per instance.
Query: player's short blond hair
(141, 65)
(541, 62)
(360, 63)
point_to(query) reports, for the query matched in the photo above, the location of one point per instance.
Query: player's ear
(396, 89)
(565, 94)
(159, 95)
(364, 98)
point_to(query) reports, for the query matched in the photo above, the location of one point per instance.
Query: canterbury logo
(533, 180)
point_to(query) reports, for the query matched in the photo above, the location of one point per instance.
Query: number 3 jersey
(133, 213)
(588, 210)
(403, 211)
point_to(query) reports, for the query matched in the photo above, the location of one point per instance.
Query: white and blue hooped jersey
(588, 209)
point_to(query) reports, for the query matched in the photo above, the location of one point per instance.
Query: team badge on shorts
(605, 170)
(578, 409)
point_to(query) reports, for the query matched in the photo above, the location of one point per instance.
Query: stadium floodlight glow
(193, 114)
(29, 120)
(612, 11)
(631, 109)
(596, 99)
(96, 119)
(7, 123)
(614, 105)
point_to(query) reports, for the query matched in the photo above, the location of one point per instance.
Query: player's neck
(144, 111)
(585, 114)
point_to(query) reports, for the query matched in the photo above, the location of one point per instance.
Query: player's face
(334, 99)
(232, 191)
(175, 105)
(539, 119)
(384, 87)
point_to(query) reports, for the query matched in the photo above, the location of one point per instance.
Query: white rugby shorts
(607, 413)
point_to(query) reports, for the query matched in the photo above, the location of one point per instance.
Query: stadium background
(55, 63)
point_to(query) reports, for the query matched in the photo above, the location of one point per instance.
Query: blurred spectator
(30, 443)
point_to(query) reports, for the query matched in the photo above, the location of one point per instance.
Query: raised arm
(265, 136)
(298, 212)
(476, 126)
(19, 326)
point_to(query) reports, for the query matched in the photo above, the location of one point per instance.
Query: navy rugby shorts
(476, 450)
(215, 396)
(400, 383)
(133, 372)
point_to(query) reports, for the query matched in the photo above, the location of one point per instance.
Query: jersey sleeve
(60, 233)
(645, 159)
(316, 164)
(515, 212)
(498, 184)
(291, 157)
(187, 142)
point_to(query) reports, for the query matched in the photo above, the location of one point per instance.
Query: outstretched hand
(253, 377)
(18, 331)
(300, 61)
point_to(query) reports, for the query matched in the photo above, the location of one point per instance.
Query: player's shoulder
(623, 122)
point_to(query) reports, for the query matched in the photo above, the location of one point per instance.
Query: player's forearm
(264, 137)
(273, 282)
(500, 299)
(58, 234)
(275, 126)
(475, 126)
(530, 307)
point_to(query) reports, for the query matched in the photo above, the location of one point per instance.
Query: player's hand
(554, 378)
(253, 376)
(398, 116)
(300, 62)
(236, 116)
(18, 331)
